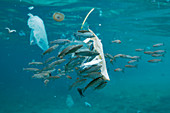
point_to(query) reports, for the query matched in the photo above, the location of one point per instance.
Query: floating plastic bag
(38, 34)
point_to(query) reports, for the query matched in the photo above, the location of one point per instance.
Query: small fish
(158, 55)
(132, 61)
(92, 75)
(93, 83)
(77, 83)
(62, 53)
(50, 59)
(149, 52)
(131, 66)
(68, 50)
(31, 69)
(39, 76)
(136, 57)
(49, 50)
(35, 63)
(93, 68)
(127, 56)
(155, 60)
(159, 51)
(101, 85)
(109, 56)
(53, 77)
(57, 62)
(119, 55)
(86, 53)
(10, 31)
(83, 34)
(60, 41)
(139, 50)
(116, 41)
(74, 62)
(46, 81)
(74, 49)
(119, 70)
(49, 71)
(158, 45)
(69, 77)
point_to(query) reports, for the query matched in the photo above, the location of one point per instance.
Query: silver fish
(49, 50)
(60, 41)
(87, 53)
(31, 69)
(50, 59)
(68, 50)
(73, 49)
(35, 63)
(73, 63)
(84, 34)
(93, 83)
(101, 85)
(57, 62)
(93, 68)
(92, 75)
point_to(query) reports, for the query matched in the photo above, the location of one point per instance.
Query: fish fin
(163, 55)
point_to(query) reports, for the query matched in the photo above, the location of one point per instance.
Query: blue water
(138, 24)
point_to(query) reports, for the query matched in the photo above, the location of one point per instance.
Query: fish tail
(80, 90)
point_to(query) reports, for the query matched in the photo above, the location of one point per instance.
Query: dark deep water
(138, 24)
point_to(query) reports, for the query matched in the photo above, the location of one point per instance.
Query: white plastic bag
(38, 34)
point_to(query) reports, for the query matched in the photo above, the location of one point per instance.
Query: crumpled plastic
(38, 34)
(100, 58)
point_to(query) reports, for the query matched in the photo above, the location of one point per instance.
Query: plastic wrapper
(38, 34)
(100, 58)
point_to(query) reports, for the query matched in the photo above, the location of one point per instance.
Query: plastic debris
(21, 33)
(69, 101)
(87, 104)
(99, 48)
(31, 7)
(38, 34)
(57, 16)
(10, 31)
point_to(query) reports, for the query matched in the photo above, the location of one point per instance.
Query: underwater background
(138, 24)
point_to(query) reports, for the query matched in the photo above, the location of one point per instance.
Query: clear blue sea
(137, 23)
